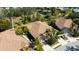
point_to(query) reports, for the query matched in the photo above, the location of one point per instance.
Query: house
(62, 8)
(62, 23)
(76, 9)
(9, 41)
(37, 28)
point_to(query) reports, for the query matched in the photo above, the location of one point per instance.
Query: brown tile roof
(63, 23)
(9, 41)
(37, 28)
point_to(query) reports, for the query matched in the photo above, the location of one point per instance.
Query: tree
(4, 25)
(38, 45)
(21, 30)
(51, 40)
(51, 36)
(25, 19)
(56, 12)
(17, 12)
(36, 16)
(76, 21)
(68, 13)
(10, 14)
(39, 17)
(27, 10)
(48, 33)
(73, 31)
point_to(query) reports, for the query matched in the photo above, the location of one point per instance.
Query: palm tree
(48, 32)
(52, 36)
(38, 45)
(9, 13)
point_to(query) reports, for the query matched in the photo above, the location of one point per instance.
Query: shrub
(19, 30)
(52, 36)
(52, 40)
(25, 30)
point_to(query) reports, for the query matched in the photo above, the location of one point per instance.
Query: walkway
(62, 41)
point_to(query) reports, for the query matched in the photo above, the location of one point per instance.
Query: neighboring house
(37, 28)
(76, 9)
(62, 8)
(9, 41)
(63, 23)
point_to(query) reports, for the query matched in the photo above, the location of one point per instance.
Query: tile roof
(63, 23)
(9, 41)
(37, 28)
